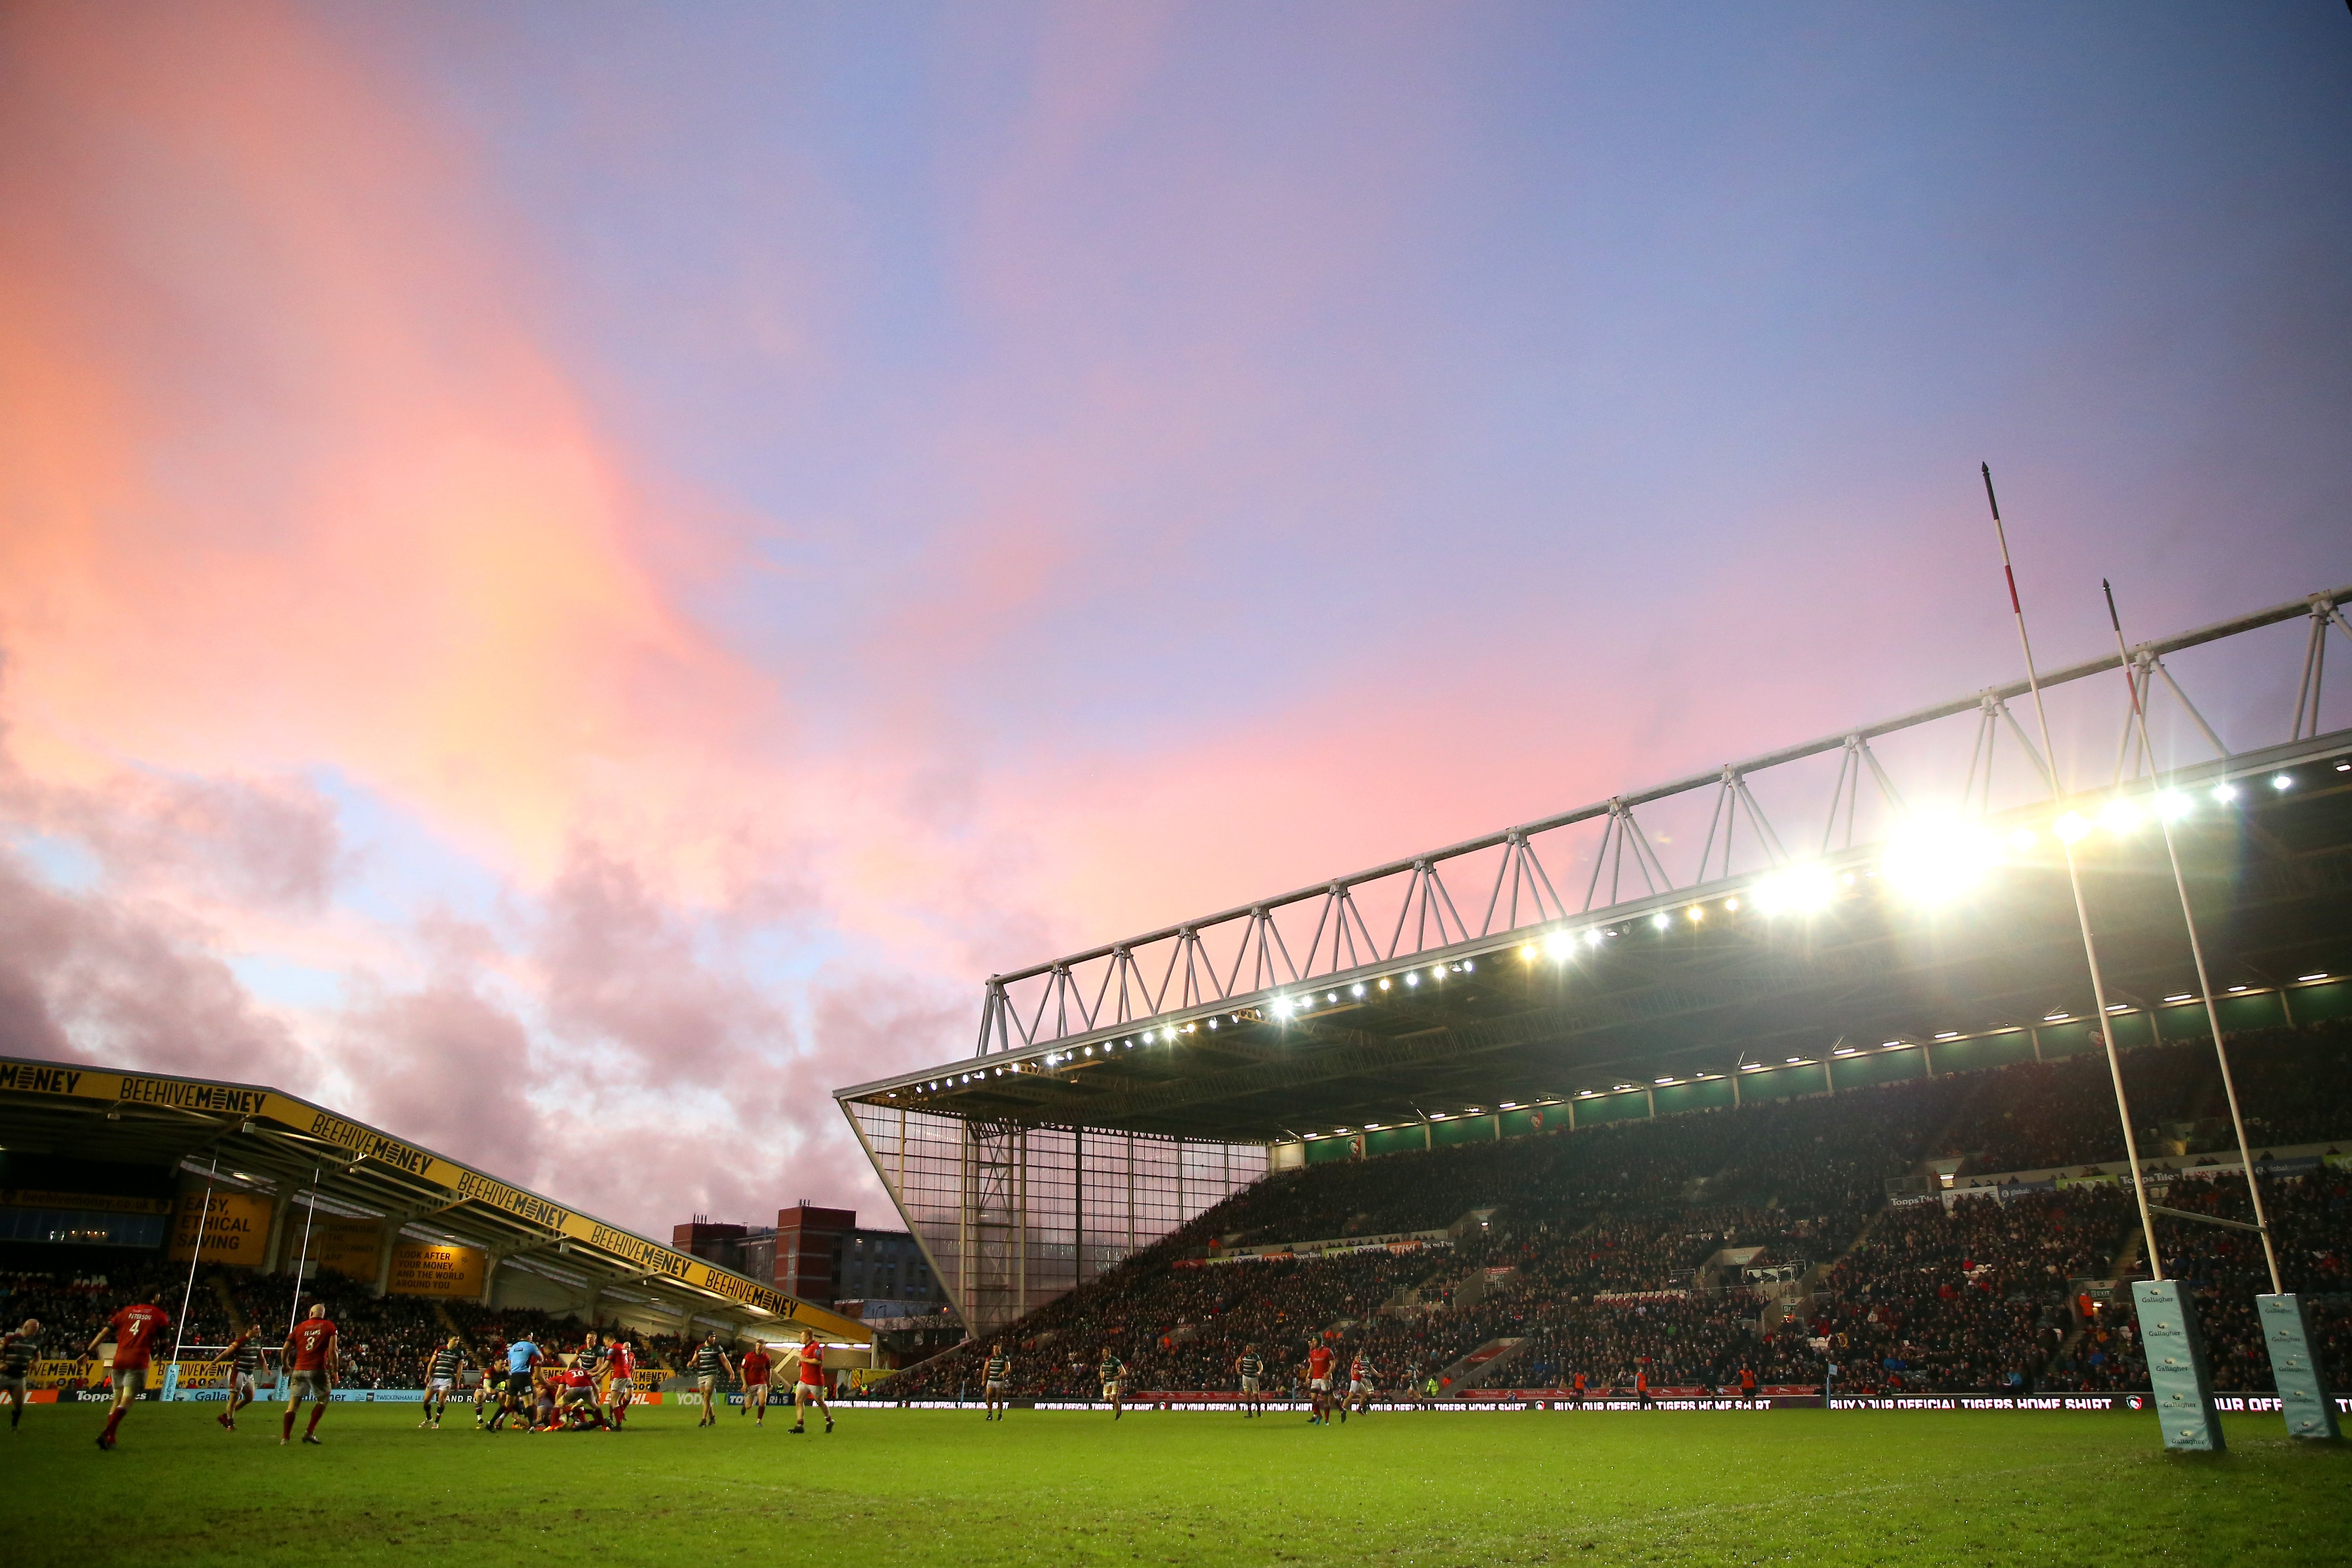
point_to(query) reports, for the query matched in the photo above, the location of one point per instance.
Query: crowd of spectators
(1592, 1249)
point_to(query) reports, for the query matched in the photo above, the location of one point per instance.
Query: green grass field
(938, 1487)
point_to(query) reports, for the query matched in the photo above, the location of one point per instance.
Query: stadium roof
(1699, 979)
(263, 1136)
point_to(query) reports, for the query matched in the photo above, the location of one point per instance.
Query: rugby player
(309, 1360)
(710, 1364)
(1641, 1388)
(992, 1379)
(243, 1354)
(18, 1351)
(1360, 1376)
(620, 1379)
(135, 1329)
(1748, 1385)
(1318, 1383)
(810, 1387)
(517, 1394)
(493, 1358)
(442, 1366)
(1113, 1374)
(575, 1391)
(1578, 1391)
(757, 1370)
(1249, 1369)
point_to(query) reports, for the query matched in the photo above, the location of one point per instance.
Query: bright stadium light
(1413, 977)
(1696, 913)
(1357, 989)
(2178, 996)
(2314, 974)
(2056, 1017)
(1931, 860)
(1330, 996)
(1664, 1080)
(1796, 890)
(1384, 982)
(1732, 905)
(2119, 816)
(2023, 839)
(2281, 781)
(1528, 952)
(1592, 937)
(1948, 1035)
(1659, 921)
(2072, 828)
(1559, 945)
(2223, 794)
(2173, 804)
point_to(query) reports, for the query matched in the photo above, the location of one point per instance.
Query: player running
(810, 1387)
(1113, 1373)
(517, 1394)
(620, 1379)
(309, 1359)
(757, 1369)
(710, 1365)
(18, 1351)
(243, 1355)
(134, 1328)
(1250, 1369)
(442, 1366)
(1318, 1384)
(1362, 1376)
(993, 1377)
(486, 1388)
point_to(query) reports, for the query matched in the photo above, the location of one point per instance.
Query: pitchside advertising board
(91, 1084)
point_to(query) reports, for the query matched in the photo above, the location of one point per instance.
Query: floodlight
(1357, 989)
(1732, 905)
(1384, 982)
(2056, 1017)
(1330, 996)
(2281, 781)
(1528, 951)
(1888, 1045)
(1802, 888)
(2119, 816)
(1932, 859)
(1559, 945)
(1845, 1050)
(2225, 793)
(1794, 1060)
(2071, 828)
(2022, 839)
(2173, 804)
(1592, 937)
(2178, 996)
(1949, 1034)
(2318, 974)
(1665, 1080)
(1412, 977)
(2234, 990)
(1659, 921)
(1697, 912)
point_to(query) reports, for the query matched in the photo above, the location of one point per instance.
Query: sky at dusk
(574, 577)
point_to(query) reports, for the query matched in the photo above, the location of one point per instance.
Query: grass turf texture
(914, 1487)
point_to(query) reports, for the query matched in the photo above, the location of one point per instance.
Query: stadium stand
(1764, 1239)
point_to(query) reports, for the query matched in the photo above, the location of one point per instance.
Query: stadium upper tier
(309, 1166)
(1394, 995)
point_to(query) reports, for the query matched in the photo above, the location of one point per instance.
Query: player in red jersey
(1318, 1383)
(756, 1368)
(620, 1379)
(1641, 1388)
(1578, 1391)
(135, 1329)
(310, 1362)
(494, 1368)
(810, 1388)
(1748, 1385)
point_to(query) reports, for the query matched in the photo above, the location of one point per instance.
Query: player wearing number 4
(810, 1388)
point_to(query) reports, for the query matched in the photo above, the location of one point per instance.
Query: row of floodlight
(1927, 858)
(1839, 1052)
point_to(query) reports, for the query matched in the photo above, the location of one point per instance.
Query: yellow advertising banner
(348, 1246)
(463, 1183)
(418, 1270)
(236, 1227)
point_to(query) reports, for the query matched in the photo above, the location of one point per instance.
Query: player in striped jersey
(442, 1366)
(710, 1365)
(18, 1351)
(487, 1389)
(1249, 1368)
(1113, 1373)
(992, 1379)
(243, 1359)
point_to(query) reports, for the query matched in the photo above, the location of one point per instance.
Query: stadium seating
(1596, 1259)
